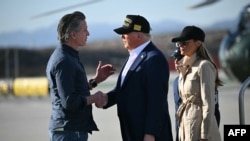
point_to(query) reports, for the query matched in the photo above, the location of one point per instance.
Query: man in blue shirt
(71, 115)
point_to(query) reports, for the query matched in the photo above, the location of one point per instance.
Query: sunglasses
(182, 43)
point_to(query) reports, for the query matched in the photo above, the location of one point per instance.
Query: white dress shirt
(132, 56)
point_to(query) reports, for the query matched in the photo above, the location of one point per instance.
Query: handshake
(100, 99)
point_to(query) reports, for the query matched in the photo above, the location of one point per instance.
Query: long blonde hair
(203, 53)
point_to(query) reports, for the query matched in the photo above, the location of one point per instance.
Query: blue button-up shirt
(68, 90)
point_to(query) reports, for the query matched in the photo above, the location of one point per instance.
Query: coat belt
(183, 106)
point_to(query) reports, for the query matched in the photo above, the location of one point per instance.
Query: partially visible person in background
(71, 115)
(197, 85)
(177, 100)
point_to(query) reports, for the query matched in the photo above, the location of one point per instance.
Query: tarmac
(27, 118)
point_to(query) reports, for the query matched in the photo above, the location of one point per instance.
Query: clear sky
(16, 14)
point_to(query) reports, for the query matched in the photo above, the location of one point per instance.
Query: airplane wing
(65, 8)
(205, 3)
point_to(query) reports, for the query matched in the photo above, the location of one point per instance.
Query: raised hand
(103, 72)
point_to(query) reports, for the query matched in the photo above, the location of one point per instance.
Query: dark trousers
(68, 136)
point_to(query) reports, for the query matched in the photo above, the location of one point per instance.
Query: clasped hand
(101, 99)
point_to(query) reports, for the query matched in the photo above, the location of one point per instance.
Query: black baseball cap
(190, 32)
(134, 23)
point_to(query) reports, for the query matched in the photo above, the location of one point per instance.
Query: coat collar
(70, 50)
(187, 63)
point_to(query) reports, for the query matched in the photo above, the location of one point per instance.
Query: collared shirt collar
(187, 63)
(138, 50)
(70, 50)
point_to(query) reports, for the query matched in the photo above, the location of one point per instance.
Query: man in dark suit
(142, 86)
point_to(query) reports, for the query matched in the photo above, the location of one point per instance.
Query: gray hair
(69, 23)
(147, 36)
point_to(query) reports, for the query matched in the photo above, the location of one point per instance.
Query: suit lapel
(136, 63)
(138, 60)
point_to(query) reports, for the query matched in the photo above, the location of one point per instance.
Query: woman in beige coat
(197, 84)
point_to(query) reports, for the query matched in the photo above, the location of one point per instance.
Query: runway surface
(27, 118)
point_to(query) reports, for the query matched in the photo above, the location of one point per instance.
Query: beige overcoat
(197, 91)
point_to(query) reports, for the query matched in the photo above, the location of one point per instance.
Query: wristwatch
(93, 83)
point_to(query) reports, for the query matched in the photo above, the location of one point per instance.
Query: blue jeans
(68, 136)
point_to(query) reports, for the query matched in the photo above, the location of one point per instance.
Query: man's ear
(73, 35)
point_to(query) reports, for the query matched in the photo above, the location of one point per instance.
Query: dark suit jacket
(142, 99)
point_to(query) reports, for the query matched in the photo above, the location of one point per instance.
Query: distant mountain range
(46, 37)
